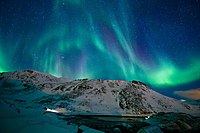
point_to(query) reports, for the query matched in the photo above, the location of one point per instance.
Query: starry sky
(154, 41)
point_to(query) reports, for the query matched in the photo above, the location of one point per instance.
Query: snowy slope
(32, 89)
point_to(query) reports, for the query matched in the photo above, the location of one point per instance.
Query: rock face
(29, 89)
(175, 122)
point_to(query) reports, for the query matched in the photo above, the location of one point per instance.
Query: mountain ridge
(98, 96)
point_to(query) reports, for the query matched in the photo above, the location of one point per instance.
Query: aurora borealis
(156, 42)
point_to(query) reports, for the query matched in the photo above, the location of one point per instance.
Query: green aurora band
(90, 39)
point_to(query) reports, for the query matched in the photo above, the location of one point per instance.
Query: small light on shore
(182, 100)
(51, 110)
(147, 117)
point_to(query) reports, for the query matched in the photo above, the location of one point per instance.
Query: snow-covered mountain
(30, 89)
(32, 102)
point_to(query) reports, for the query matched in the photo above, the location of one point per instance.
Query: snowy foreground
(31, 101)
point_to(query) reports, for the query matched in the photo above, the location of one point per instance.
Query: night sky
(154, 41)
